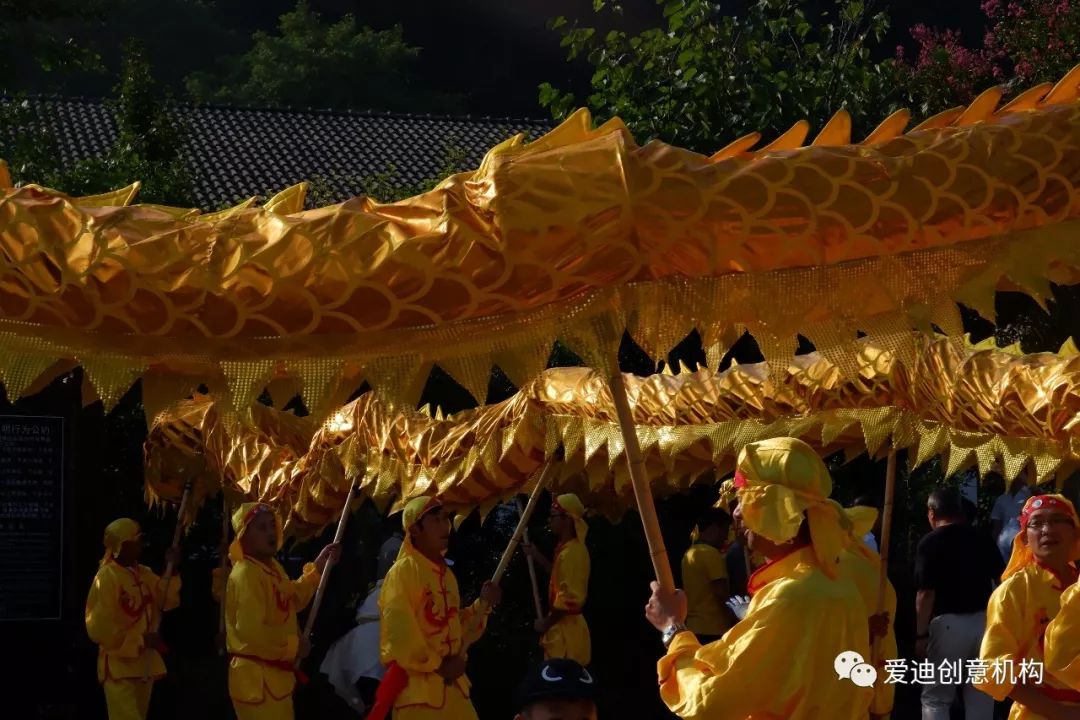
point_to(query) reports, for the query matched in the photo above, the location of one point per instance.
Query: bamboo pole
(473, 633)
(178, 534)
(639, 480)
(523, 522)
(225, 521)
(324, 579)
(532, 568)
(886, 530)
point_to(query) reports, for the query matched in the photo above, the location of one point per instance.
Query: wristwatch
(672, 630)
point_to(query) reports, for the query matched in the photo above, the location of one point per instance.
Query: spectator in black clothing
(956, 568)
(970, 511)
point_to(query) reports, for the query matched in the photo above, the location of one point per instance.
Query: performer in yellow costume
(862, 565)
(805, 621)
(705, 576)
(261, 603)
(1030, 595)
(563, 631)
(121, 610)
(423, 624)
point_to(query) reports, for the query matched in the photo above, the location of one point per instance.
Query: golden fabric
(121, 608)
(974, 405)
(1016, 630)
(577, 235)
(799, 620)
(568, 589)
(198, 440)
(702, 565)
(261, 631)
(421, 625)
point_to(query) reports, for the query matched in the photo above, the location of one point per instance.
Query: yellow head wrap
(117, 533)
(1022, 556)
(780, 481)
(728, 495)
(861, 520)
(571, 505)
(413, 512)
(241, 518)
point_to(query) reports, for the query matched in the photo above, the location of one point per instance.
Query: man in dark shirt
(956, 568)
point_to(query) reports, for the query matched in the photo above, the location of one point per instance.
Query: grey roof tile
(235, 153)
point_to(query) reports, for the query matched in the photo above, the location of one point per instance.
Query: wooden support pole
(532, 568)
(472, 634)
(324, 579)
(226, 520)
(178, 535)
(640, 482)
(523, 521)
(886, 529)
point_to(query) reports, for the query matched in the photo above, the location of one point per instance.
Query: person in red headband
(1040, 569)
(804, 635)
(261, 603)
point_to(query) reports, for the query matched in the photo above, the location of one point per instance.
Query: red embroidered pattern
(128, 603)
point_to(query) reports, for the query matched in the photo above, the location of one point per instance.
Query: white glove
(739, 605)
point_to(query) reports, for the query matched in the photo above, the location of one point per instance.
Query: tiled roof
(234, 153)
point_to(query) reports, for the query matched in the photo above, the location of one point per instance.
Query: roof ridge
(351, 112)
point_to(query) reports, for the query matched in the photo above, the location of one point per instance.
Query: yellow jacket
(121, 608)
(866, 575)
(569, 584)
(422, 620)
(261, 633)
(567, 590)
(702, 565)
(777, 662)
(1017, 617)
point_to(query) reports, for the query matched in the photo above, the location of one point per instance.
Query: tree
(310, 63)
(708, 77)
(1026, 43)
(32, 33)
(148, 145)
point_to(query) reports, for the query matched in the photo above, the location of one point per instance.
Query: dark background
(493, 53)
